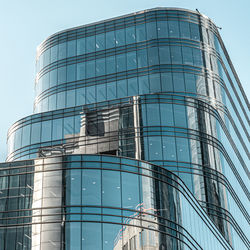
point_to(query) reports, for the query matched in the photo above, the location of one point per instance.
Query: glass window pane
(198, 60)
(155, 84)
(100, 67)
(61, 75)
(46, 131)
(80, 71)
(169, 148)
(155, 148)
(120, 62)
(151, 30)
(142, 58)
(90, 69)
(190, 83)
(110, 39)
(35, 132)
(62, 51)
(162, 28)
(110, 65)
(130, 191)
(153, 57)
(132, 86)
(46, 60)
(165, 57)
(26, 135)
(166, 111)
(111, 90)
(91, 187)
(183, 149)
(52, 102)
(101, 90)
(140, 33)
(167, 82)
(70, 95)
(174, 30)
(90, 94)
(131, 60)
(180, 118)
(57, 129)
(90, 44)
(54, 53)
(71, 50)
(178, 80)
(91, 236)
(120, 37)
(187, 55)
(176, 55)
(195, 32)
(80, 96)
(111, 189)
(81, 46)
(71, 73)
(184, 29)
(61, 100)
(130, 35)
(122, 88)
(153, 114)
(53, 78)
(143, 85)
(100, 42)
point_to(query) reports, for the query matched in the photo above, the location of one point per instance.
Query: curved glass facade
(158, 87)
(105, 202)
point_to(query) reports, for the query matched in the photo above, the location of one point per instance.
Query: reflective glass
(90, 44)
(91, 187)
(162, 28)
(100, 66)
(71, 73)
(174, 30)
(184, 29)
(81, 46)
(54, 53)
(110, 65)
(91, 236)
(90, 69)
(46, 131)
(100, 42)
(143, 85)
(140, 33)
(130, 35)
(110, 39)
(153, 56)
(151, 30)
(121, 62)
(62, 75)
(57, 129)
(178, 80)
(142, 58)
(167, 82)
(35, 132)
(62, 50)
(71, 49)
(80, 71)
(164, 53)
(120, 37)
(111, 189)
(131, 60)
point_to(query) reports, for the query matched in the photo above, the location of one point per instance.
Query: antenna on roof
(219, 28)
(197, 11)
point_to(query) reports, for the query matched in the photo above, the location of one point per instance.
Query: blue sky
(25, 24)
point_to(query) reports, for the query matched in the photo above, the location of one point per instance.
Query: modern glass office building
(139, 141)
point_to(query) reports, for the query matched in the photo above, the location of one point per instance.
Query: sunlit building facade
(139, 140)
